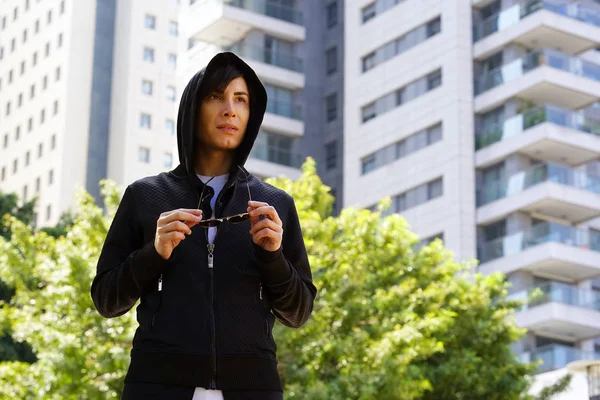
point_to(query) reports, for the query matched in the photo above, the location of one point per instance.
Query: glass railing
(556, 356)
(267, 56)
(517, 68)
(512, 15)
(529, 118)
(271, 8)
(558, 292)
(284, 109)
(544, 232)
(539, 173)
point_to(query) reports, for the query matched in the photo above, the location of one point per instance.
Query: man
(214, 254)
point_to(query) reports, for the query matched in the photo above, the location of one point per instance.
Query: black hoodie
(207, 327)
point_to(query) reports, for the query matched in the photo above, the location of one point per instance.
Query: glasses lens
(207, 223)
(236, 219)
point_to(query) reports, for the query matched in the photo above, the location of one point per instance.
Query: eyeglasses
(234, 219)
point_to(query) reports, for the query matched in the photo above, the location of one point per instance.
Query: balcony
(546, 188)
(557, 356)
(275, 67)
(547, 249)
(228, 21)
(568, 25)
(541, 77)
(283, 117)
(546, 133)
(560, 309)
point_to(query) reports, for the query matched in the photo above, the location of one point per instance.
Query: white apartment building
(480, 119)
(267, 36)
(69, 116)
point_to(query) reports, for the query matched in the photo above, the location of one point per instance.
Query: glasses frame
(212, 222)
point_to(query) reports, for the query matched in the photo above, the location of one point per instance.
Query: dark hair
(218, 80)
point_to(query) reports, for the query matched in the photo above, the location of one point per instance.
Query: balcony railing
(556, 356)
(558, 292)
(529, 118)
(539, 173)
(267, 56)
(271, 8)
(519, 67)
(544, 232)
(512, 15)
(284, 109)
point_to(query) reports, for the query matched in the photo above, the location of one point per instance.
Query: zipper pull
(160, 283)
(211, 249)
(260, 292)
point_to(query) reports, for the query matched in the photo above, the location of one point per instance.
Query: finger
(175, 226)
(265, 223)
(268, 211)
(266, 233)
(173, 235)
(180, 216)
(194, 211)
(256, 204)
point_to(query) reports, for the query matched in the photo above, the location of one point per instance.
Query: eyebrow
(235, 94)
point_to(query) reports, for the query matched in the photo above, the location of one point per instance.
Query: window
(60, 40)
(49, 17)
(29, 124)
(5, 145)
(3, 174)
(435, 189)
(1, 52)
(147, 87)
(331, 155)
(45, 82)
(368, 112)
(15, 13)
(34, 60)
(25, 36)
(368, 62)
(145, 121)
(8, 108)
(369, 12)
(62, 7)
(50, 177)
(55, 107)
(173, 28)
(20, 100)
(26, 4)
(172, 61)
(17, 132)
(148, 54)
(170, 126)
(48, 212)
(38, 184)
(434, 27)
(42, 116)
(332, 14)
(25, 193)
(150, 21)
(168, 160)
(32, 91)
(15, 165)
(144, 155)
(22, 67)
(331, 60)
(47, 50)
(170, 93)
(27, 158)
(53, 142)
(57, 74)
(3, 23)
(10, 76)
(434, 79)
(40, 150)
(37, 26)
(331, 107)
(418, 195)
(13, 45)
(368, 164)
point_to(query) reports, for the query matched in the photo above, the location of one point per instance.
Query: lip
(228, 128)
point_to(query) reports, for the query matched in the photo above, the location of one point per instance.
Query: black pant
(152, 391)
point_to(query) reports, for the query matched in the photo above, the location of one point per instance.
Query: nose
(228, 109)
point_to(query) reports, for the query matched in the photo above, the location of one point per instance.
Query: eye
(241, 99)
(213, 96)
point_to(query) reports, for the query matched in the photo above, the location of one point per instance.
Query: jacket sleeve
(287, 276)
(127, 269)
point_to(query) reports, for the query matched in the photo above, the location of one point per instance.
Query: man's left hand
(268, 231)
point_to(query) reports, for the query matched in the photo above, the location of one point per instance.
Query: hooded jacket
(201, 326)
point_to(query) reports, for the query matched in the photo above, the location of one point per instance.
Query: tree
(389, 322)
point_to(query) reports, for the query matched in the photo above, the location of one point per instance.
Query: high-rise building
(87, 91)
(480, 120)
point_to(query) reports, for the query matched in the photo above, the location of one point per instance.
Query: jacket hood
(190, 106)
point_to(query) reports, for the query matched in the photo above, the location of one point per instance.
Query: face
(223, 117)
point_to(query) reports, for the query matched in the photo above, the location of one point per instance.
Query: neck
(213, 163)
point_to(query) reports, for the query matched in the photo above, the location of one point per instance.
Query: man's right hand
(172, 227)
